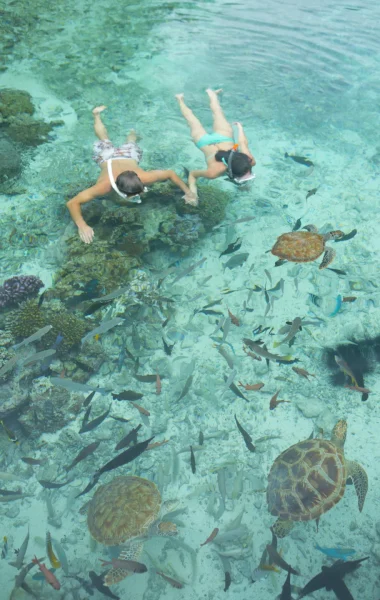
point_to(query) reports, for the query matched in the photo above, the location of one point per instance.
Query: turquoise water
(304, 80)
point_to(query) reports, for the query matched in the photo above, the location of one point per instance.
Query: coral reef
(183, 231)
(19, 288)
(25, 320)
(10, 165)
(15, 102)
(211, 208)
(13, 399)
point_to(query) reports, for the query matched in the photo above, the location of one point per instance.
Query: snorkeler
(218, 147)
(120, 172)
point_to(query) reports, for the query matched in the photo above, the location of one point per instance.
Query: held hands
(86, 234)
(191, 198)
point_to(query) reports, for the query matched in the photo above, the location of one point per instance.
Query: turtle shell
(123, 509)
(306, 480)
(299, 246)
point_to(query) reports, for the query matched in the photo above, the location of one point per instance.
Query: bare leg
(132, 136)
(221, 125)
(99, 127)
(196, 128)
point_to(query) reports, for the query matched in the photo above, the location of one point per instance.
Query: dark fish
(86, 416)
(127, 395)
(186, 388)
(89, 398)
(277, 287)
(95, 422)
(331, 578)
(32, 461)
(125, 457)
(96, 306)
(246, 437)
(201, 438)
(10, 492)
(130, 438)
(189, 270)
(98, 583)
(277, 559)
(41, 299)
(147, 378)
(86, 451)
(211, 304)
(192, 460)
(311, 193)
(302, 160)
(236, 261)
(51, 485)
(236, 390)
(227, 580)
(121, 419)
(286, 593)
(337, 271)
(210, 312)
(168, 349)
(297, 225)
(232, 247)
(348, 236)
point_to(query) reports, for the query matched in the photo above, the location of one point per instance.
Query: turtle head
(338, 436)
(334, 235)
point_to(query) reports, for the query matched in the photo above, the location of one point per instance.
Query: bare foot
(211, 92)
(133, 136)
(98, 109)
(180, 96)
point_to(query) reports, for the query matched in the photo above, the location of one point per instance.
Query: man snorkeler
(120, 172)
(219, 147)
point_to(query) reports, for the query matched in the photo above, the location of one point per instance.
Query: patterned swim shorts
(104, 149)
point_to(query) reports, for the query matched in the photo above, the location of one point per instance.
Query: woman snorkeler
(219, 147)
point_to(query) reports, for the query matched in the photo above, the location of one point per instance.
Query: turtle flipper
(328, 257)
(131, 552)
(360, 480)
(281, 528)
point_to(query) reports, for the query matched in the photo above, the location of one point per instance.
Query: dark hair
(241, 163)
(129, 183)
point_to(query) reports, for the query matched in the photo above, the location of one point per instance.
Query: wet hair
(129, 183)
(241, 163)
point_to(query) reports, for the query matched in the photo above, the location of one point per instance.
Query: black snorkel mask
(236, 180)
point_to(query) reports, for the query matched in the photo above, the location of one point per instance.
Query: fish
(223, 352)
(86, 416)
(236, 261)
(120, 419)
(233, 247)
(201, 438)
(51, 485)
(188, 270)
(4, 550)
(302, 372)
(192, 460)
(347, 237)
(90, 426)
(141, 409)
(86, 451)
(87, 400)
(213, 303)
(112, 295)
(127, 565)
(261, 351)
(274, 402)
(146, 378)
(125, 457)
(362, 390)
(227, 580)
(75, 386)
(158, 385)
(295, 327)
(5, 476)
(32, 358)
(243, 220)
(236, 390)
(33, 461)
(254, 388)
(21, 553)
(156, 444)
(286, 593)
(331, 578)
(246, 437)
(302, 160)
(277, 559)
(34, 337)
(337, 271)
(12, 497)
(234, 319)
(209, 312)
(98, 583)
(49, 576)
(211, 537)
(338, 553)
(349, 299)
(173, 582)
(102, 328)
(297, 225)
(186, 388)
(7, 366)
(311, 193)
(127, 395)
(10, 434)
(49, 550)
(346, 369)
(168, 349)
(96, 306)
(128, 439)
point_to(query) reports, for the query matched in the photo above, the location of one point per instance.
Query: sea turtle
(309, 478)
(305, 246)
(126, 511)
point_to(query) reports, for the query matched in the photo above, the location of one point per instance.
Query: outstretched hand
(191, 198)
(86, 234)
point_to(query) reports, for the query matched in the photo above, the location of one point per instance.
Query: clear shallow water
(302, 79)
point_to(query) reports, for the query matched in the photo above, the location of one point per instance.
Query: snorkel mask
(136, 199)
(236, 180)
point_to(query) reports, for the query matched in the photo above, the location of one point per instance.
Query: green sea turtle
(125, 512)
(309, 478)
(305, 246)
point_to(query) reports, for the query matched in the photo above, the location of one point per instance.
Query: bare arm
(243, 143)
(86, 233)
(169, 175)
(210, 173)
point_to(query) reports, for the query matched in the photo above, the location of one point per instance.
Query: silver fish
(186, 388)
(34, 337)
(112, 295)
(21, 553)
(103, 328)
(236, 260)
(223, 352)
(294, 328)
(226, 329)
(9, 365)
(5, 476)
(188, 270)
(230, 379)
(74, 386)
(32, 358)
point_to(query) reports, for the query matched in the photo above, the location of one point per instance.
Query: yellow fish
(11, 436)
(49, 549)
